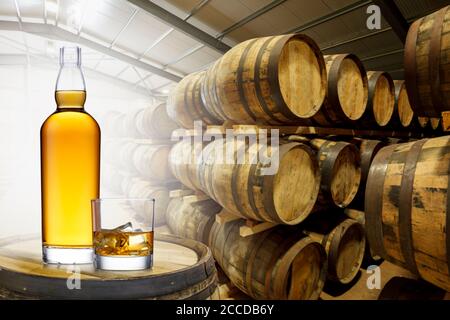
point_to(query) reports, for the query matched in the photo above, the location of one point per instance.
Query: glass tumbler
(123, 233)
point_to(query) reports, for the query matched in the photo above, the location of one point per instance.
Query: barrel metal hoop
(273, 79)
(250, 258)
(189, 104)
(258, 90)
(283, 247)
(236, 171)
(374, 200)
(240, 80)
(333, 95)
(268, 181)
(322, 118)
(327, 167)
(439, 104)
(213, 92)
(250, 183)
(405, 205)
(206, 115)
(410, 70)
(369, 116)
(447, 224)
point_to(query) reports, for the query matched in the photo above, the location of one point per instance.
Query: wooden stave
(330, 231)
(203, 274)
(183, 170)
(282, 113)
(437, 103)
(185, 105)
(378, 239)
(396, 122)
(203, 213)
(368, 149)
(288, 242)
(368, 119)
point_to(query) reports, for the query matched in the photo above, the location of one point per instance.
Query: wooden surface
(427, 56)
(403, 107)
(182, 268)
(407, 207)
(381, 100)
(259, 265)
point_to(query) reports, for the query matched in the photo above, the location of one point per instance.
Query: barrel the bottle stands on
(70, 168)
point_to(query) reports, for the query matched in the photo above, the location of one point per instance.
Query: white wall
(26, 99)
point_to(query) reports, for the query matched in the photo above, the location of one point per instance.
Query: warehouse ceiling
(133, 43)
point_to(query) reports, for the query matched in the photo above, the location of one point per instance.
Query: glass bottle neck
(70, 99)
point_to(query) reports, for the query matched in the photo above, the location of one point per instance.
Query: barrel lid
(181, 267)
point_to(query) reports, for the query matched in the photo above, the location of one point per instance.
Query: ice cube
(127, 227)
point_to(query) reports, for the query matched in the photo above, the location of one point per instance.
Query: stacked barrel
(324, 201)
(136, 152)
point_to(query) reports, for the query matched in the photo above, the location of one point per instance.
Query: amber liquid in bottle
(70, 172)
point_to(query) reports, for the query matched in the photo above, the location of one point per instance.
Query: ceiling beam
(333, 15)
(251, 17)
(394, 17)
(54, 32)
(181, 25)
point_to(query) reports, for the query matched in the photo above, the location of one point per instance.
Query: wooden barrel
(280, 263)
(183, 269)
(367, 151)
(344, 242)
(403, 115)
(340, 168)
(185, 105)
(381, 100)
(192, 220)
(152, 162)
(183, 161)
(275, 80)
(154, 122)
(407, 196)
(286, 195)
(141, 189)
(360, 216)
(399, 288)
(347, 93)
(427, 64)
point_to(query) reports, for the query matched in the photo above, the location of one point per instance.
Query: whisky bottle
(70, 168)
